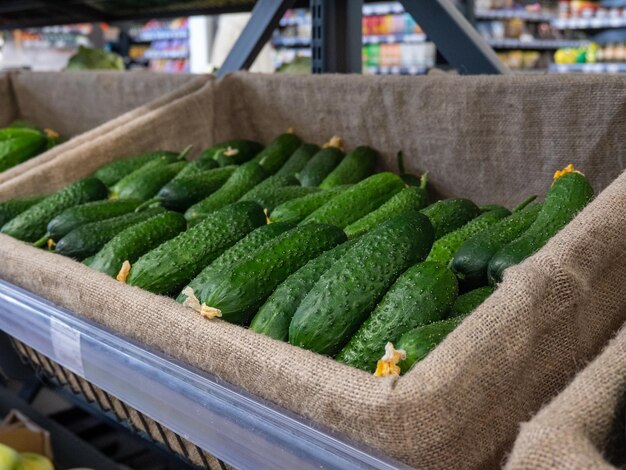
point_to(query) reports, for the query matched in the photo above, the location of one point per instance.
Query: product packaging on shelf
(493, 139)
(583, 427)
(80, 105)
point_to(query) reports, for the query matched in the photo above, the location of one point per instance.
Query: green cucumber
(359, 200)
(112, 172)
(444, 249)
(490, 207)
(131, 179)
(472, 258)
(31, 224)
(148, 184)
(298, 160)
(243, 288)
(87, 261)
(83, 214)
(14, 207)
(319, 166)
(273, 197)
(423, 294)
(243, 179)
(136, 240)
(345, 295)
(408, 178)
(171, 265)
(88, 239)
(183, 191)
(18, 145)
(470, 301)
(569, 194)
(273, 181)
(274, 316)
(450, 214)
(247, 245)
(356, 166)
(232, 152)
(274, 156)
(420, 341)
(411, 198)
(195, 167)
(298, 209)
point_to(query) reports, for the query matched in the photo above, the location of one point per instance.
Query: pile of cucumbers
(21, 141)
(300, 243)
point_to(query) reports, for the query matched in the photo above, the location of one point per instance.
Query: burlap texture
(573, 431)
(459, 408)
(84, 105)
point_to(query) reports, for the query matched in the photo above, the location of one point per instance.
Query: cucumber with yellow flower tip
(322, 163)
(112, 172)
(274, 156)
(298, 160)
(356, 166)
(232, 152)
(569, 194)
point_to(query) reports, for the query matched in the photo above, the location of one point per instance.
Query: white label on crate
(66, 345)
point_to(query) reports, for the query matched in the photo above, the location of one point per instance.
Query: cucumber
(148, 184)
(112, 172)
(31, 224)
(344, 296)
(274, 156)
(444, 249)
(490, 207)
(136, 240)
(408, 178)
(298, 160)
(19, 144)
(411, 198)
(420, 341)
(195, 167)
(232, 152)
(423, 294)
(273, 181)
(569, 194)
(450, 214)
(183, 191)
(130, 178)
(247, 245)
(274, 316)
(14, 207)
(320, 166)
(470, 301)
(359, 200)
(297, 209)
(243, 179)
(171, 265)
(472, 258)
(83, 214)
(245, 286)
(88, 239)
(356, 166)
(87, 261)
(273, 197)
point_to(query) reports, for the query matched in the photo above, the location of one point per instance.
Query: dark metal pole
(336, 40)
(459, 42)
(264, 19)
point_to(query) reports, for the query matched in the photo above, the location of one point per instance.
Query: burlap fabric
(495, 139)
(574, 430)
(84, 105)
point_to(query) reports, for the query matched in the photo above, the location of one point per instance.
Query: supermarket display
(94, 59)
(161, 45)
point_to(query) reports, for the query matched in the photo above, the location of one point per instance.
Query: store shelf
(151, 55)
(281, 41)
(397, 70)
(158, 35)
(590, 23)
(394, 38)
(537, 44)
(385, 8)
(589, 68)
(512, 13)
(295, 21)
(241, 429)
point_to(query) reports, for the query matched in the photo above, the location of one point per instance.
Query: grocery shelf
(286, 41)
(394, 38)
(535, 44)
(589, 68)
(397, 70)
(506, 14)
(385, 8)
(590, 23)
(241, 429)
(150, 54)
(158, 35)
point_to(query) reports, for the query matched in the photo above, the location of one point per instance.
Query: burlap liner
(84, 105)
(573, 431)
(461, 406)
